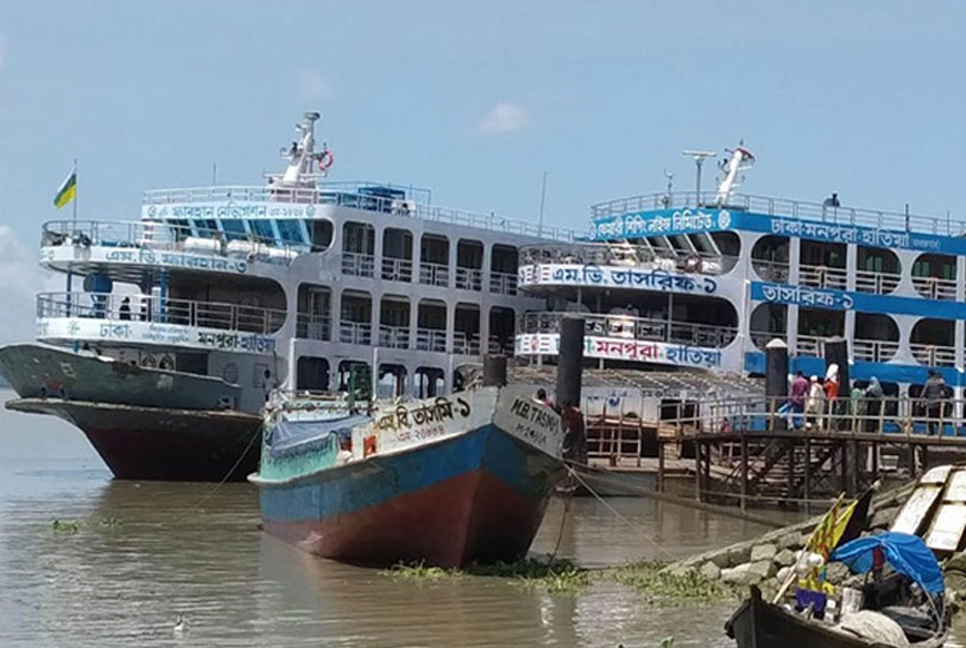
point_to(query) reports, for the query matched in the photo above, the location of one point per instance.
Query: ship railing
(466, 343)
(355, 332)
(634, 328)
(350, 195)
(628, 254)
(397, 269)
(504, 283)
(313, 327)
(434, 274)
(812, 346)
(167, 236)
(880, 283)
(428, 339)
(819, 276)
(500, 345)
(935, 288)
(774, 271)
(761, 338)
(357, 264)
(874, 350)
(783, 207)
(394, 337)
(845, 417)
(144, 308)
(469, 278)
(933, 355)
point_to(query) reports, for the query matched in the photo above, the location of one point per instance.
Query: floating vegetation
(420, 572)
(67, 527)
(650, 578)
(110, 522)
(557, 577)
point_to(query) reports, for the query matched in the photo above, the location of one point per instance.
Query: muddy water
(149, 552)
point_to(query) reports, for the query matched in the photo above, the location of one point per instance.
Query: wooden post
(808, 475)
(791, 468)
(744, 470)
(697, 470)
(660, 463)
(706, 482)
(852, 481)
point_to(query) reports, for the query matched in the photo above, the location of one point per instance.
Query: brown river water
(148, 552)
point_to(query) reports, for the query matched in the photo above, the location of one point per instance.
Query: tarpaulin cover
(290, 434)
(907, 554)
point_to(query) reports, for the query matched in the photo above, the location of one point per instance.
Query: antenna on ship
(741, 159)
(699, 158)
(305, 165)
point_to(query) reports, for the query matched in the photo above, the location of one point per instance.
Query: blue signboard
(865, 302)
(884, 371)
(667, 222)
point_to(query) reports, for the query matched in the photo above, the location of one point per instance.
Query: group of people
(816, 402)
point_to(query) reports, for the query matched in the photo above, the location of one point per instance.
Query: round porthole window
(230, 373)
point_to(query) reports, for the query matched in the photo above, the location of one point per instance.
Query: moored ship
(187, 319)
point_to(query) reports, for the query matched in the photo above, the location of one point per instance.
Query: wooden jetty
(752, 450)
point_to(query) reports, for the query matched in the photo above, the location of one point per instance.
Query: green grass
(67, 527)
(648, 578)
(420, 573)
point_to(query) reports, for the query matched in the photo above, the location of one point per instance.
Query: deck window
(291, 231)
(206, 228)
(234, 229)
(262, 229)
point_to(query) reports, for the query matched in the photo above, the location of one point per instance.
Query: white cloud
(20, 279)
(312, 85)
(504, 118)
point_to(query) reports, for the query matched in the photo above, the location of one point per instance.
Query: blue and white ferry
(688, 279)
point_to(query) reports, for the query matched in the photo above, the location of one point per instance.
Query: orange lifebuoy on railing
(326, 160)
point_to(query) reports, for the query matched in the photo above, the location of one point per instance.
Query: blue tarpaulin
(907, 554)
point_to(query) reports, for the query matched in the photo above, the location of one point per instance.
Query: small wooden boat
(443, 481)
(924, 622)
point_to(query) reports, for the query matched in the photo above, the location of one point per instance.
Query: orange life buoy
(326, 160)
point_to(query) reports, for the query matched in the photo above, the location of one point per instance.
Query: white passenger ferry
(685, 279)
(172, 329)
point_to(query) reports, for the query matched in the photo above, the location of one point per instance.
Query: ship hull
(155, 443)
(478, 497)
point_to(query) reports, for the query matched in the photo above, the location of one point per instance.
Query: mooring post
(660, 464)
(494, 370)
(808, 475)
(776, 380)
(570, 361)
(697, 470)
(837, 353)
(852, 480)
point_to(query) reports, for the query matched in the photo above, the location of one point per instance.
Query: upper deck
(662, 214)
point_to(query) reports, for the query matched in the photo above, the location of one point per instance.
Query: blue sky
(477, 99)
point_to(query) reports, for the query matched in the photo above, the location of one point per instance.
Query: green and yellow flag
(67, 191)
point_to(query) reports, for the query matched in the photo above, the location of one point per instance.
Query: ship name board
(571, 274)
(228, 209)
(617, 349)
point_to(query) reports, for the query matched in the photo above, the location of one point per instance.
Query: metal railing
(896, 417)
(357, 264)
(394, 337)
(935, 288)
(469, 278)
(313, 327)
(823, 277)
(466, 343)
(774, 271)
(784, 207)
(433, 274)
(879, 283)
(431, 340)
(397, 269)
(355, 333)
(634, 328)
(874, 350)
(811, 346)
(166, 236)
(144, 308)
(934, 355)
(761, 338)
(348, 195)
(504, 283)
(628, 254)
(500, 345)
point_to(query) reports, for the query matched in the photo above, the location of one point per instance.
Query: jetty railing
(885, 419)
(147, 308)
(634, 328)
(771, 206)
(628, 255)
(354, 196)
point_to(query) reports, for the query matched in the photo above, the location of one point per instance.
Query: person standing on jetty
(932, 395)
(798, 393)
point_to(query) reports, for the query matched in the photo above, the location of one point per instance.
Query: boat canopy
(907, 554)
(287, 435)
